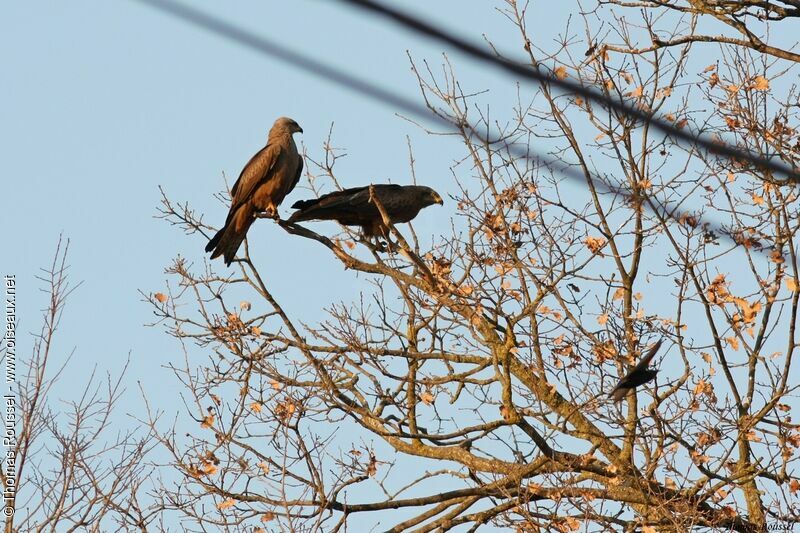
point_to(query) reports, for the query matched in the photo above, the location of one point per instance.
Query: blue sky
(103, 103)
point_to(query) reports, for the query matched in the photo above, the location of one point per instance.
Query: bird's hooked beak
(299, 129)
(437, 199)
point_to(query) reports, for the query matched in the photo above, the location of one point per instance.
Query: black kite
(353, 207)
(265, 181)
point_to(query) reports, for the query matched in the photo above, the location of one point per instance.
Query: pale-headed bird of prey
(354, 207)
(265, 181)
(638, 375)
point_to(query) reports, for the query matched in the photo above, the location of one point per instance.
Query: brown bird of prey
(265, 181)
(639, 375)
(353, 207)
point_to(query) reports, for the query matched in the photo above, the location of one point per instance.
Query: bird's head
(287, 125)
(429, 196)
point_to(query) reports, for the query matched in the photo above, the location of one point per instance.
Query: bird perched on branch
(265, 181)
(355, 207)
(639, 375)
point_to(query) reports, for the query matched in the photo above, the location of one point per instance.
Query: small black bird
(639, 375)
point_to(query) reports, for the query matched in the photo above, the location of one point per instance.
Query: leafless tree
(467, 382)
(66, 466)
(744, 23)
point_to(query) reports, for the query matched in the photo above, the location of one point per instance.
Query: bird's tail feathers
(306, 212)
(215, 239)
(302, 204)
(226, 243)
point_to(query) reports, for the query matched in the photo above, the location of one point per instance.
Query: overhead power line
(398, 102)
(286, 55)
(529, 72)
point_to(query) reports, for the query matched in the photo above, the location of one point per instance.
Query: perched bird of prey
(265, 181)
(639, 375)
(353, 207)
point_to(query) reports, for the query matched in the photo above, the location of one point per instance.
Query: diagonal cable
(375, 92)
(526, 71)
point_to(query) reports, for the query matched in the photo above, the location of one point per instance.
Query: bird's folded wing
(297, 174)
(257, 171)
(644, 362)
(345, 198)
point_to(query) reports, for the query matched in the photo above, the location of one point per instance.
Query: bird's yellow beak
(437, 199)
